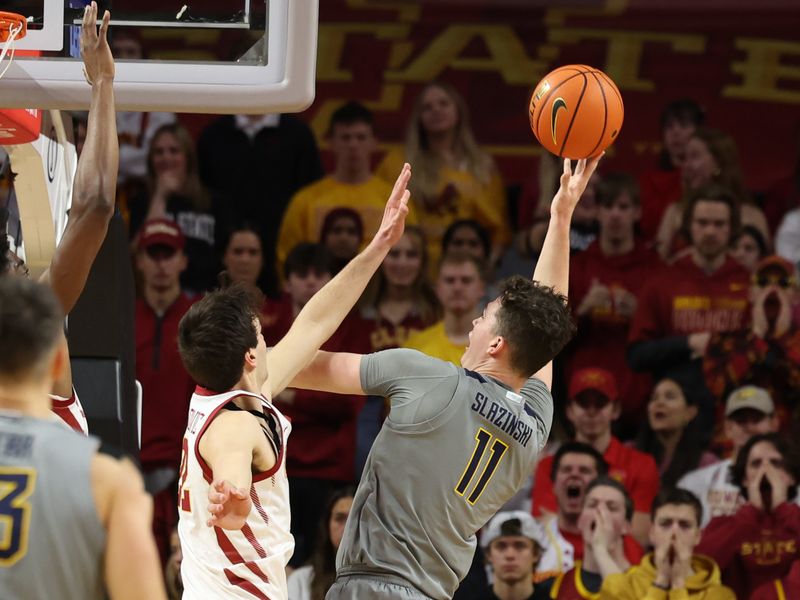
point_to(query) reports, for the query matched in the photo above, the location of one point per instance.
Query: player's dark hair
(535, 322)
(307, 257)
(323, 559)
(606, 481)
(613, 185)
(30, 325)
(711, 193)
(791, 461)
(351, 113)
(679, 496)
(601, 466)
(477, 228)
(214, 335)
(5, 262)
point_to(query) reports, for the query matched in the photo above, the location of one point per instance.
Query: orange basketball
(576, 111)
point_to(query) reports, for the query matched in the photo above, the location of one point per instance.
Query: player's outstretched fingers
(104, 25)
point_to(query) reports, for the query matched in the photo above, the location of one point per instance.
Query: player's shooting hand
(227, 505)
(98, 64)
(573, 184)
(394, 215)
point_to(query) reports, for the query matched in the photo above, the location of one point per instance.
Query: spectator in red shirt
(573, 468)
(592, 406)
(759, 543)
(166, 386)
(321, 458)
(703, 293)
(605, 281)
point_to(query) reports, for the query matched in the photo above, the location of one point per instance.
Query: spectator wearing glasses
(592, 407)
(767, 352)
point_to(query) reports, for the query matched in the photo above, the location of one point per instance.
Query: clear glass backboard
(263, 61)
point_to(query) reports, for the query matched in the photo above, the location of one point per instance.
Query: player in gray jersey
(458, 442)
(74, 521)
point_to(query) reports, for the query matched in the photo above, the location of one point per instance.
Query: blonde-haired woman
(453, 177)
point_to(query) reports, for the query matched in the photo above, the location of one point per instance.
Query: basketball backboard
(263, 55)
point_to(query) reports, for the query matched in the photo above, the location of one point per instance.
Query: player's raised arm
(325, 311)
(552, 268)
(95, 181)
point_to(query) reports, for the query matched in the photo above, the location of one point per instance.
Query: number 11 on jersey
(498, 449)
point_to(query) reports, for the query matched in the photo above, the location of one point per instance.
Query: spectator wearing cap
(766, 353)
(749, 410)
(574, 467)
(670, 433)
(513, 543)
(593, 405)
(604, 521)
(673, 570)
(605, 282)
(166, 386)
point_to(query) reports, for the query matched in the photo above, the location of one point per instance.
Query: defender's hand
(98, 64)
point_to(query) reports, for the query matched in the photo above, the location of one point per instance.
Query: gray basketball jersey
(51, 541)
(456, 446)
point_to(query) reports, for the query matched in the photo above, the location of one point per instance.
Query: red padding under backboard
(20, 125)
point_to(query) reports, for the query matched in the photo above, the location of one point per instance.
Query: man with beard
(704, 292)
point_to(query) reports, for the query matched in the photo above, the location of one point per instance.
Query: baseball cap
(514, 522)
(776, 261)
(161, 232)
(749, 396)
(595, 379)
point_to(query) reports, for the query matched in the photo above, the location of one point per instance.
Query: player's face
(675, 523)
(744, 423)
(575, 472)
(592, 414)
(402, 265)
(484, 329)
(617, 219)
(699, 164)
(612, 500)
(747, 252)
(161, 266)
(465, 240)
(513, 558)
(668, 410)
(243, 257)
(342, 238)
(711, 228)
(167, 155)
(16, 266)
(459, 288)
(439, 112)
(302, 286)
(353, 144)
(338, 519)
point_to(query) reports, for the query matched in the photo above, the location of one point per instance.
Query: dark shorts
(360, 587)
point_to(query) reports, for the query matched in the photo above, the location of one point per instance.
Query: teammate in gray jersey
(74, 520)
(458, 442)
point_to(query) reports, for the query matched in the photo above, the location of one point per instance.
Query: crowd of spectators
(670, 473)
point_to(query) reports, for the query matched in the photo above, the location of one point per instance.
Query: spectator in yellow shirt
(460, 287)
(351, 185)
(453, 177)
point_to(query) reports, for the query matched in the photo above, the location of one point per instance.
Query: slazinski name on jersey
(502, 418)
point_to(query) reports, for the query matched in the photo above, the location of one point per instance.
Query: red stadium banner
(739, 59)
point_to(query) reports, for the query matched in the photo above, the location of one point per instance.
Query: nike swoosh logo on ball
(558, 104)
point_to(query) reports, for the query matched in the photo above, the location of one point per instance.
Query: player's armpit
(132, 569)
(234, 446)
(336, 372)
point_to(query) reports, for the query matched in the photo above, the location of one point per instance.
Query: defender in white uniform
(233, 494)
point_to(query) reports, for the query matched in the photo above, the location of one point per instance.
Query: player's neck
(599, 443)
(615, 246)
(457, 326)
(518, 590)
(248, 383)
(352, 174)
(160, 299)
(28, 399)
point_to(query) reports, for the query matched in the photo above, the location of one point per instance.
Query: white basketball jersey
(219, 563)
(70, 412)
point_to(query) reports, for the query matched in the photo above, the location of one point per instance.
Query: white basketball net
(8, 46)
